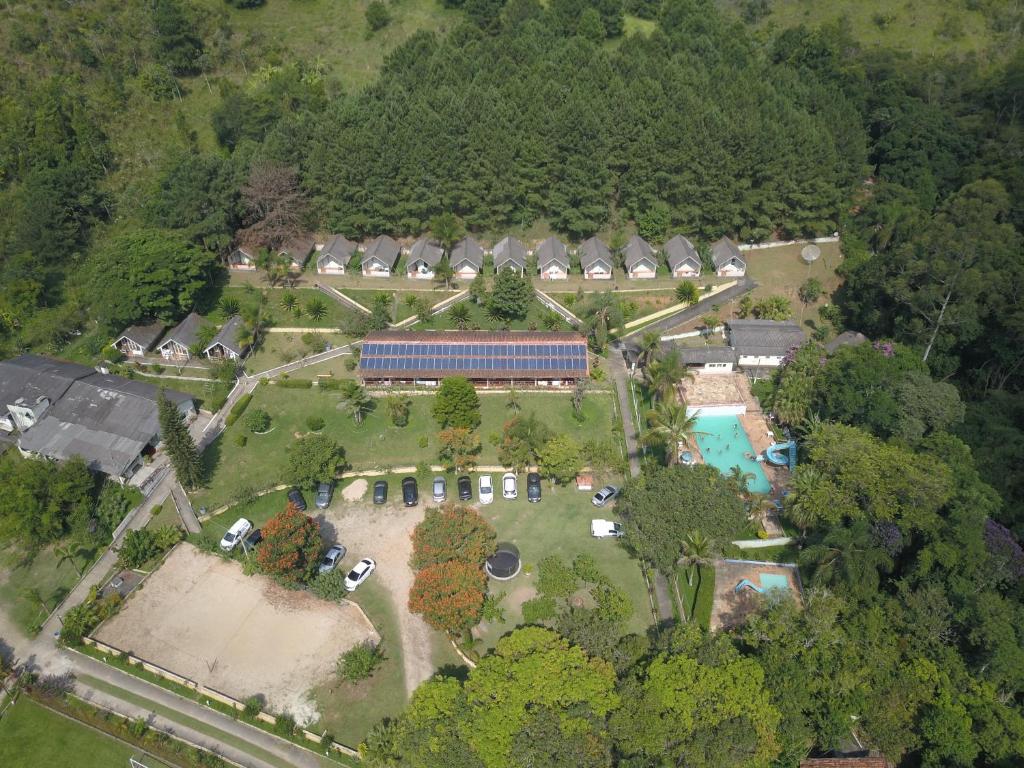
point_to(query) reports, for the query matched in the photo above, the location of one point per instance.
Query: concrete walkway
(743, 285)
(184, 507)
(621, 377)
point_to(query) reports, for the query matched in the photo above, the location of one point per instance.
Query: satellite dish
(810, 253)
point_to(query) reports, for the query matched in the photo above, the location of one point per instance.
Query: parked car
(235, 534)
(254, 538)
(324, 492)
(410, 492)
(465, 488)
(295, 497)
(533, 487)
(360, 573)
(485, 491)
(380, 492)
(334, 555)
(603, 529)
(605, 495)
(440, 489)
(508, 486)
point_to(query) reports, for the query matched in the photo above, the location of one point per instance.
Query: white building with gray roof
(552, 259)
(728, 260)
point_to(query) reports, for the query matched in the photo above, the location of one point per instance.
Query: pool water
(773, 581)
(725, 446)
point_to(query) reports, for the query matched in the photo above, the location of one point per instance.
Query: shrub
(291, 546)
(449, 595)
(377, 15)
(314, 342)
(329, 385)
(424, 441)
(314, 423)
(285, 725)
(585, 567)
(237, 409)
(144, 544)
(612, 603)
(253, 705)
(492, 607)
(359, 662)
(329, 586)
(538, 609)
(295, 383)
(83, 618)
(258, 421)
(452, 532)
(350, 364)
(241, 440)
(555, 579)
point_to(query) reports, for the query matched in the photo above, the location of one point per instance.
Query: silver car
(605, 495)
(440, 489)
(334, 555)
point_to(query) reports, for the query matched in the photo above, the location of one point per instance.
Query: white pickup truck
(602, 529)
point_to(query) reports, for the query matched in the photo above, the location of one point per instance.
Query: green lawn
(702, 607)
(44, 573)
(277, 349)
(209, 395)
(249, 296)
(396, 299)
(376, 443)
(166, 514)
(558, 525)
(478, 320)
(32, 736)
(348, 710)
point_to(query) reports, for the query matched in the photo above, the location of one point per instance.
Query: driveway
(385, 534)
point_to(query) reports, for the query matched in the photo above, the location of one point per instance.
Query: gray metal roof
(298, 250)
(636, 250)
(679, 251)
(764, 338)
(186, 332)
(725, 250)
(550, 251)
(339, 247)
(228, 335)
(143, 335)
(593, 250)
(509, 252)
(427, 251)
(31, 377)
(469, 250)
(383, 249)
(702, 355)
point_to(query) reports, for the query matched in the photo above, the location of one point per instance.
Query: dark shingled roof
(593, 250)
(469, 250)
(143, 335)
(679, 250)
(32, 377)
(428, 252)
(764, 338)
(702, 355)
(186, 332)
(298, 250)
(228, 335)
(509, 251)
(383, 249)
(724, 250)
(550, 251)
(636, 250)
(339, 247)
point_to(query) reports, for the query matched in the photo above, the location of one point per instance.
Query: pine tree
(180, 446)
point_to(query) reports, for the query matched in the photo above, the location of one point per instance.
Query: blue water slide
(748, 583)
(782, 454)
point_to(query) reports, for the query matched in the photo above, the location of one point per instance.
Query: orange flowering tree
(291, 546)
(449, 595)
(452, 532)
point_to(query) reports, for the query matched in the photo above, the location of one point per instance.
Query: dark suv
(465, 488)
(533, 487)
(295, 497)
(410, 492)
(380, 492)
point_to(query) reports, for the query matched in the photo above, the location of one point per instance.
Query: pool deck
(730, 608)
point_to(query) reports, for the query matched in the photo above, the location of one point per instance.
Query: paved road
(743, 285)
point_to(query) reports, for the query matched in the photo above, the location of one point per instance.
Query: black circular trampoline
(504, 564)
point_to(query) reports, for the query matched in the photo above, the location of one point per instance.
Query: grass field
(276, 313)
(24, 582)
(277, 349)
(32, 736)
(376, 443)
(558, 525)
(209, 395)
(697, 603)
(396, 300)
(478, 320)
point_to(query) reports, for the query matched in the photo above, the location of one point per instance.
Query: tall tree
(180, 447)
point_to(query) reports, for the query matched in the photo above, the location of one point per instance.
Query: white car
(359, 574)
(235, 534)
(603, 529)
(508, 485)
(486, 494)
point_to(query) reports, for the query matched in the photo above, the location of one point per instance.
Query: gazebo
(504, 564)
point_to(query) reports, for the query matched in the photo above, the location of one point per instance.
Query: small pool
(773, 581)
(725, 445)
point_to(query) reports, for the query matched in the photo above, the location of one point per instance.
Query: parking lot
(199, 616)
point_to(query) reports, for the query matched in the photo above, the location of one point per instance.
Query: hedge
(237, 409)
(295, 383)
(329, 384)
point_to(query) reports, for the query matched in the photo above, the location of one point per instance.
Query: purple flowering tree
(1006, 553)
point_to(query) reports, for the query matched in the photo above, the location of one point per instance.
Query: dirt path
(383, 533)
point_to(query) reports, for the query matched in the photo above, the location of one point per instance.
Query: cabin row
(380, 257)
(179, 343)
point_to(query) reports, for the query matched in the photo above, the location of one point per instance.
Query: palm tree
(845, 556)
(355, 401)
(229, 306)
(738, 478)
(664, 373)
(649, 344)
(460, 315)
(448, 229)
(759, 506)
(513, 403)
(34, 595)
(696, 554)
(67, 554)
(669, 425)
(800, 506)
(289, 302)
(316, 309)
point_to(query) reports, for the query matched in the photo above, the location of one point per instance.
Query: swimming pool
(773, 581)
(725, 445)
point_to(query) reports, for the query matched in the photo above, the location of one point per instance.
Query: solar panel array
(479, 360)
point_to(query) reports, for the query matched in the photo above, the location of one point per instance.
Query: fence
(206, 692)
(338, 296)
(554, 306)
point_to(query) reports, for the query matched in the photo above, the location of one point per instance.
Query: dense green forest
(588, 117)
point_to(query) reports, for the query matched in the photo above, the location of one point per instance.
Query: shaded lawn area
(209, 395)
(349, 710)
(376, 443)
(558, 525)
(478, 320)
(277, 349)
(697, 604)
(247, 296)
(33, 736)
(44, 573)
